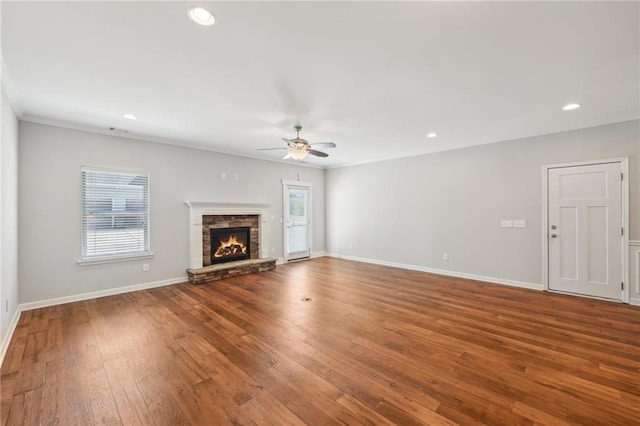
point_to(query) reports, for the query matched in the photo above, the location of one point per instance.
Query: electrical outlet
(145, 267)
(236, 176)
(223, 175)
(350, 245)
(273, 249)
(445, 257)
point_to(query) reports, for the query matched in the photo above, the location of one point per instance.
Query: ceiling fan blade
(323, 145)
(287, 141)
(318, 153)
(271, 149)
(286, 157)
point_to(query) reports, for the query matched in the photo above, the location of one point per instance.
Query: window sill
(113, 259)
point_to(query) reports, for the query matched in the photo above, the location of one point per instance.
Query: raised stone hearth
(231, 269)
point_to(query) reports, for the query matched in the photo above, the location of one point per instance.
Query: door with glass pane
(297, 207)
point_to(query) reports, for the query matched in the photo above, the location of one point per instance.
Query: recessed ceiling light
(129, 116)
(432, 135)
(569, 107)
(201, 16)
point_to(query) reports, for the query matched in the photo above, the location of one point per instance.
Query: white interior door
(297, 228)
(585, 230)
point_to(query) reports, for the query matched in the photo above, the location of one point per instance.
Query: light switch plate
(506, 223)
(520, 223)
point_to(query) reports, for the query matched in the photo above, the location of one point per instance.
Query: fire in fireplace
(229, 244)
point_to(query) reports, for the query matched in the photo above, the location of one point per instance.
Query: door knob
(553, 227)
(553, 235)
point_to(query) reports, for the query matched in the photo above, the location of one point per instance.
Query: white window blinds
(115, 213)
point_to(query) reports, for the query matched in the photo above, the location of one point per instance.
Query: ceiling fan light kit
(296, 154)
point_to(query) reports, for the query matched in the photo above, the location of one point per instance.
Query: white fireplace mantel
(197, 209)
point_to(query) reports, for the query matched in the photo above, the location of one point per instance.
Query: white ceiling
(373, 77)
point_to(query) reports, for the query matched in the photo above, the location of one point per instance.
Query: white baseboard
(9, 335)
(635, 302)
(315, 254)
(493, 280)
(101, 293)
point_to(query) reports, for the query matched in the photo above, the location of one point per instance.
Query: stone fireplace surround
(210, 222)
(203, 216)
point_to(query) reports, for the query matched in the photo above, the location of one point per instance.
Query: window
(115, 215)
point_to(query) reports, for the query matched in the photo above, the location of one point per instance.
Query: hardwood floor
(375, 346)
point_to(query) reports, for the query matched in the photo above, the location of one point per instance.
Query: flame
(230, 247)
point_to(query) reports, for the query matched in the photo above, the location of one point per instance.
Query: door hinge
(621, 177)
(621, 286)
(621, 231)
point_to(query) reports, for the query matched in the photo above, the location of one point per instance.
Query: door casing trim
(309, 186)
(624, 163)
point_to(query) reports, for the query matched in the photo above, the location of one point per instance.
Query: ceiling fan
(299, 148)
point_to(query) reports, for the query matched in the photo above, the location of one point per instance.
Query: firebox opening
(230, 244)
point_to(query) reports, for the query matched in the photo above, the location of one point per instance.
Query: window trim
(113, 258)
(97, 260)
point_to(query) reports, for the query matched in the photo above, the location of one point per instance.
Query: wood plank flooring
(375, 346)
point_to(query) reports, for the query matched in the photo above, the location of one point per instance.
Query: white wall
(50, 209)
(449, 202)
(410, 211)
(8, 216)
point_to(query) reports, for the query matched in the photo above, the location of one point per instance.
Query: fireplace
(207, 216)
(226, 238)
(230, 244)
